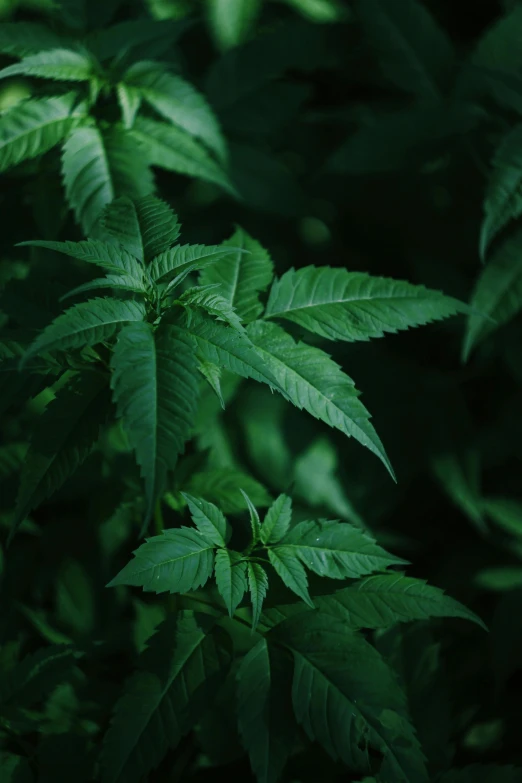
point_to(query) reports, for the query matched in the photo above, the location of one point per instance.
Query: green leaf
(258, 586)
(385, 599)
(414, 52)
(172, 148)
(497, 293)
(177, 101)
(156, 387)
(277, 520)
(230, 350)
(116, 282)
(344, 695)
(255, 522)
(60, 64)
(458, 473)
(334, 549)
(172, 266)
(485, 773)
(342, 305)
(62, 439)
(145, 227)
(498, 47)
(114, 259)
(180, 673)
(97, 167)
(221, 485)
(506, 513)
(503, 197)
(33, 127)
(208, 519)
(86, 323)
(242, 275)
(308, 378)
(212, 373)
(75, 607)
(293, 574)
(129, 100)
(22, 38)
(213, 303)
(36, 675)
(266, 723)
(134, 34)
(231, 21)
(15, 769)
(177, 561)
(231, 578)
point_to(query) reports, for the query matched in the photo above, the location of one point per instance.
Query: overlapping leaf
(172, 266)
(208, 519)
(231, 578)
(342, 305)
(145, 227)
(277, 520)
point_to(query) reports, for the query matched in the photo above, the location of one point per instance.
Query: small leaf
(231, 578)
(293, 574)
(208, 519)
(213, 303)
(172, 266)
(232, 20)
(145, 227)
(212, 373)
(255, 522)
(258, 586)
(277, 520)
(177, 561)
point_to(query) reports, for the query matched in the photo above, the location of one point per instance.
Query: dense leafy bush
(196, 572)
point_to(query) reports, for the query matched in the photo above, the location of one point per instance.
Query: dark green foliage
(222, 221)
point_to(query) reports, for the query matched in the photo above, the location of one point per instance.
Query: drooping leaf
(414, 52)
(231, 578)
(208, 519)
(308, 378)
(503, 197)
(334, 549)
(62, 439)
(291, 571)
(177, 561)
(60, 64)
(343, 693)
(212, 373)
(172, 148)
(258, 586)
(145, 227)
(277, 520)
(172, 266)
(97, 167)
(385, 599)
(241, 275)
(266, 723)
(155, 386)
(497, 292)
(33, 127)
(179, 673)
(177, 101)
(114, 259)
(23, 38)
(342, 305)
(231, 21)
(86, 323)
(213, 303)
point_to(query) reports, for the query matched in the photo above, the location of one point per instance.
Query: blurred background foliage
(341, 157)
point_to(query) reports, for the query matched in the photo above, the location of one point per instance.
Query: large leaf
(241, 275)
(277, 520)
(93, 251)
(208, 519)
(334, 549)
(172, 148)
(414, 52)
(98, 167)
(266, 723)
(309, 379)
(503, 198)
(155, 384)
(145, 227)
(177, 101)
(22, 38)
(291, 571)
(86, 323)
(221, 485)
(497, 292)
(116, 282)
(344, 692)
(60, 64)
(385, 599)
(342, 305)
(177, 561)
(33, 127)
(138, 33)
(179, 673)
(63, 438)
(231, 578)
(172, 266)
(230, 350)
